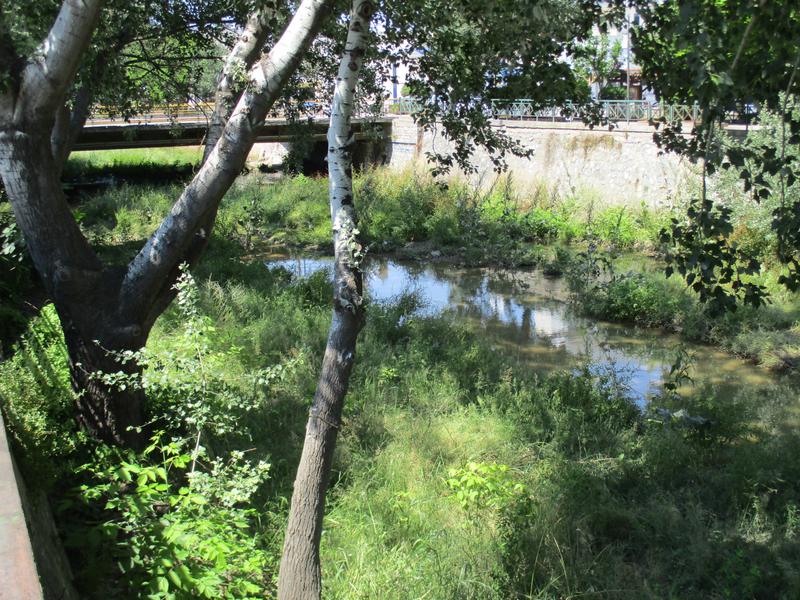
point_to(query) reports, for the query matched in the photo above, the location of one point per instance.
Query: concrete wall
(33, 565)
(620, 167)
(18, 574)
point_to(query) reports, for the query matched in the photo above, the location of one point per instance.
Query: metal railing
(613, 110)
(518, 108)
(198, 112)
(402, 106)
(528, 109)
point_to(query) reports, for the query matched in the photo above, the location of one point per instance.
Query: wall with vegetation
(622, 167)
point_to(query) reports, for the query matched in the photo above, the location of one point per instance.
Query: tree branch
(52, 69)
(151, 273)
(240, 60)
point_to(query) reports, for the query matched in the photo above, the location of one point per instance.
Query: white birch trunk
(300, 572)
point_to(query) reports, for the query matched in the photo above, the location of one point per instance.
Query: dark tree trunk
(300, 576)
(83, 292)
(300, 570)
(107, 413)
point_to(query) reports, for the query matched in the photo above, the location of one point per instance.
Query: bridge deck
(109, 135)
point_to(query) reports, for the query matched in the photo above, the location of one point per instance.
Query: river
(530, 316)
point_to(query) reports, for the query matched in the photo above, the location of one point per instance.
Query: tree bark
(68, 126)
(81, 289)
(300, 573)
(237, 64)
(240, 60)
(107, 413)
(151, 273)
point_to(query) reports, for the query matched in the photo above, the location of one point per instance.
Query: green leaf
(175, 579)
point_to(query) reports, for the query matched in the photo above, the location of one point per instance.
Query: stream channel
(529, 315)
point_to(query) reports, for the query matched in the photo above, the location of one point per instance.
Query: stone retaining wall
(33, 565)
(620, 167)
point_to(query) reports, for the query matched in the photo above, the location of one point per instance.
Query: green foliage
(150, 165)
(727, 56)
(643, 296)
(38, 402)
(174, 532)
(597, 60)
(14, 275)
(189, 382)
(472, 55)
(610, 498)
(483, 485)
(499, 224)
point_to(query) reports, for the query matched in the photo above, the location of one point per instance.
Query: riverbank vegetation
(460, 472)
(159, 403)
(610, 255)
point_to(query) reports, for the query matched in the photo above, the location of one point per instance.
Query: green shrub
(173, 531)
(38, 402)
(15, 271)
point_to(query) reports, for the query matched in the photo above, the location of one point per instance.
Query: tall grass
(397, 209)
(769, 335)
(138, 163)
(459, 472)
(604, 500)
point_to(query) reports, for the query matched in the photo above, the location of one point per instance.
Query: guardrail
(613, 110)
(519, 108)
(171, 113)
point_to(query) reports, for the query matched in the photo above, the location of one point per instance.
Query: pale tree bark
(300, 573)
(155, 266)
(106, 308)
(70, 121)
(51, 70)
(231, 84)
(232, 79)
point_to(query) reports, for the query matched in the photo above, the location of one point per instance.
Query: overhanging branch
(154, 267)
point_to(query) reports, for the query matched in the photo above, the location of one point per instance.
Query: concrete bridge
(161, 130)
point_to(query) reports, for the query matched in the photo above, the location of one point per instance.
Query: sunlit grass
(611, 504)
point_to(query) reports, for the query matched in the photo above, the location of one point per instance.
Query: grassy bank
(639, 293)
(459, 474)
(397, 208)
(134, 164)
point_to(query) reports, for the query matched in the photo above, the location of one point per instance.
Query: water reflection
(527, 313)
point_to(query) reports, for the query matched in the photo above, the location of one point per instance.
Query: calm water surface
(528, 313)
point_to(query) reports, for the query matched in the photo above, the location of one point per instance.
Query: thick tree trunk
(108, 413)
(117, 307)
(82, 291)
(300, 573)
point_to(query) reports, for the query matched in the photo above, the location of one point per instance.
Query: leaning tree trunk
(300, 573)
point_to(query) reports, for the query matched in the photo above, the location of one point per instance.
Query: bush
(15, 276)
(38, 401)
(173, 531)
